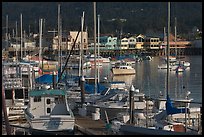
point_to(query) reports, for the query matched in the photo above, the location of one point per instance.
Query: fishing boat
(123, 68)
(48, 112)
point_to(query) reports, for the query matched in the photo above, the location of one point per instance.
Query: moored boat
(48, 111)
(123, 68)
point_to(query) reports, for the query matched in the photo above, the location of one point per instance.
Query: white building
(132, 42)
(124, 43)
(68, 41)
(73, 35)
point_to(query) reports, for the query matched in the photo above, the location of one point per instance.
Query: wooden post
(54, 79)
(107, 119)
(8, 128)
(146, 112)
(131, 103)
(185, 117)
(82, 91)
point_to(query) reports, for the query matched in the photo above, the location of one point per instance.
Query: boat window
(48, 110)
(138, 99)
(48, 101)
(37, 99)
(179, 104)
(56, 99)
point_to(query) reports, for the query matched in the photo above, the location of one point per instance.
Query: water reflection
(151, 80)
(128, 79)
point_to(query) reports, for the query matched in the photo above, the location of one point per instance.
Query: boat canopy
(90, 88)
(45, 92)
(170, 109)
(45, 79)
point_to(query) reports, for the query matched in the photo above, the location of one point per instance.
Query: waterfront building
(111, 42)
(15, 46)
(73, 35)
(106, 42)
(132, 42)
(124, 43)
(68, 41)
(140, 41)
(178, 44)
(103, 41)
(152, 42)
(64, 43)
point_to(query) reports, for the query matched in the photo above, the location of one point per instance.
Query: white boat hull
(123, 71)
(56, 124)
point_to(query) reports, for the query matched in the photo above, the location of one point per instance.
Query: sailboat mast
(168, 35)
(16, 41)
(6, 31)
(94, 4)
(82, 45)
(59, 40)
(40, 42)
(175, 37)
(165, 41)
(21, 17)
(98, 45)
(24, 39)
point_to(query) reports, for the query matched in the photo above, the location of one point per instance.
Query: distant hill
(140, 17)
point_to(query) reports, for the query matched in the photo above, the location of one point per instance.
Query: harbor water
(152, 81)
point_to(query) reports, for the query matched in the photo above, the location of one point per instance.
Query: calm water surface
(151, 80)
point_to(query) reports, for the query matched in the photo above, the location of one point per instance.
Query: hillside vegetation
(137, 17)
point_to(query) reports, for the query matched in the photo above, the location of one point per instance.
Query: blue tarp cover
(90, 88)
(45, 79)
(172, 110)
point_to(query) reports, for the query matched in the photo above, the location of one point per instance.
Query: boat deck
(87, 126)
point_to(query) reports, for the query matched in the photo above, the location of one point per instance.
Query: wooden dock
(87, 126)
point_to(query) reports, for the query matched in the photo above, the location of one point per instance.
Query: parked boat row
(175, 65)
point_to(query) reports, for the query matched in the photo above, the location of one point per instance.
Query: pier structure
(110, 52)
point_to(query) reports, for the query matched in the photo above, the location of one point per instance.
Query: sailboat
(163, 126)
